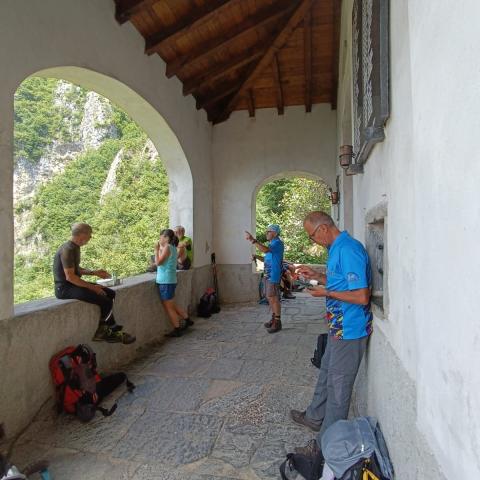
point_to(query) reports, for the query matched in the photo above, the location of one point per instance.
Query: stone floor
(212, 405)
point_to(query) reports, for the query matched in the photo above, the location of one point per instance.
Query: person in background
(347, 290)
(184, 249)
(273, 271)
(68, 273)
(166, 261)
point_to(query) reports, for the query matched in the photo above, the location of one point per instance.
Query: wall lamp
(347, 161)
(335, 196)
(346, 156)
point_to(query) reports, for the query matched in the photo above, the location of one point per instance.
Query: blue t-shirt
(348, 268)
(273, 260)
(167, 271)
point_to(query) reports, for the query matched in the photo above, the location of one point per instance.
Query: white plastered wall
(249, 151)
(50, 35)
(422, 377)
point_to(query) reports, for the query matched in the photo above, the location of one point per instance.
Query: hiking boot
(289, 296)
(185, 323)
(101, 334)
(270, 322)
(176, 332)
(310, 450)
(276, 326)
(301, 418)
(107, 334)
(119, 337)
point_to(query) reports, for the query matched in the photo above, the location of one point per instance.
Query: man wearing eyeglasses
(273, 271)
(347, 289)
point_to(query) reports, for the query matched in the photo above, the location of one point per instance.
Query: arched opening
(285, 199)
(129, 179)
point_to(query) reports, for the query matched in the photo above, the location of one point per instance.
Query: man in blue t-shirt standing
(347, 289)
(273, 271)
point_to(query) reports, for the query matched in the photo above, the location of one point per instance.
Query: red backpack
(74, 374)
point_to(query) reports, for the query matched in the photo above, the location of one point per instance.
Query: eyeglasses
(314, 232)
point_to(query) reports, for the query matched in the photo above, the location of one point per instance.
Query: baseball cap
(274, 228)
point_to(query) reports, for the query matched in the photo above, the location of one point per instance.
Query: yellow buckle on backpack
(367, 474)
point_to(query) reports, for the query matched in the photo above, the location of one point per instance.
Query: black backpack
(309, 468)
(208, 304)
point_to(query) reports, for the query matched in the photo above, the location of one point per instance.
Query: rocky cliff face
(89, 133)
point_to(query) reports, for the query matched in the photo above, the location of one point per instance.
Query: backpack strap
(130, 385)
(105, 412)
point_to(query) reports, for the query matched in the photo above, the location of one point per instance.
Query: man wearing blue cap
(273, 271)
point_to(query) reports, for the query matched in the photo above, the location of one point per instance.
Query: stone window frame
(373, 219)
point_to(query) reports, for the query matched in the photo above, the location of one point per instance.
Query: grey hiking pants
(338, 369)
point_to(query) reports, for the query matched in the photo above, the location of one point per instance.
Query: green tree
(286, 202)
(126, 221)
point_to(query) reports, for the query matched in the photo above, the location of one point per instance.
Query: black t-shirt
(67, 256)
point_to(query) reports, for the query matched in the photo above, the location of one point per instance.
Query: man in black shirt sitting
(67, 273)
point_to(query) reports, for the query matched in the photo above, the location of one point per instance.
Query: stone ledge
(40, 328)
(52, 302)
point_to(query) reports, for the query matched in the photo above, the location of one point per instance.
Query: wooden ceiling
(243, 54)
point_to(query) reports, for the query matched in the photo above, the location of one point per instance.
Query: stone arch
(154, 125)
(278, 176)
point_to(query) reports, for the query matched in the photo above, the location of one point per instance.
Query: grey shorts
(271, 289)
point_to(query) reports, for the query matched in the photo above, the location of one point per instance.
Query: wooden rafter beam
(307, 48)
(209, 49)
(275, 45)
(278, 84)
(125, 9)
(197, 83)
(211, 10)
(337, 8)
(250, 103)
(210, 100)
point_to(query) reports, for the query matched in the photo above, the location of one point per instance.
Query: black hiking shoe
(185, 323)
(119, 337)
(176, 332)
(301, 418)
(107, 334)
(276, 326)
(310, 450)
(101, 333)
(289, 296)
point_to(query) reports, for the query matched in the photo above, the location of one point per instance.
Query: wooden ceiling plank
(276, 44)
(278, 85)
(197, 83)
(337, 6)
(251, 103)
(125, 9)
(188, 23)
(307, 48)
(206, 50)
(209, 100)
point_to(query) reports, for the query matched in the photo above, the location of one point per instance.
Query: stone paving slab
(211, 405)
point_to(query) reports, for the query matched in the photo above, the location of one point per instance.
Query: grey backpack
(353, 447)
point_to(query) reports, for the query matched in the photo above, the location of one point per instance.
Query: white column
(6, 204)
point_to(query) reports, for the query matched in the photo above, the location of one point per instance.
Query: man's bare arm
(72, 277)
